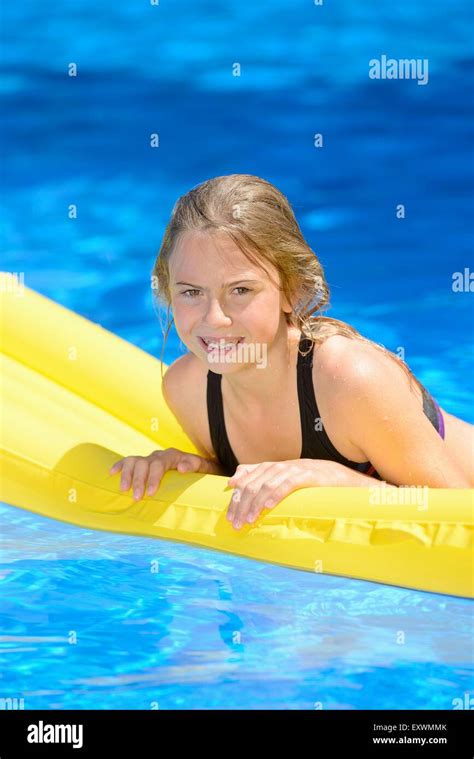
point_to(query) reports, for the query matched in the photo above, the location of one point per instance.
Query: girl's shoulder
(184, 391)
(348, 370)
(380, 411)
(339, 358)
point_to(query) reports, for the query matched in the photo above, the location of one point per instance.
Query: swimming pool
(86, 620)
(96, 620)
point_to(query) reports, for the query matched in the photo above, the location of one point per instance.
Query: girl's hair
(259, 219)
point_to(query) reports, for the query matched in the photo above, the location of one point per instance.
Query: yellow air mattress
(75, 398)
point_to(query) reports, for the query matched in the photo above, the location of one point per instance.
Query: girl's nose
(216, 316)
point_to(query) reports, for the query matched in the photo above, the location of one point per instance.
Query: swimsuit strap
(217, 430)
(433, 412)
(316, 443)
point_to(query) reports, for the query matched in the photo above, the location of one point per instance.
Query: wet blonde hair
(259, 219)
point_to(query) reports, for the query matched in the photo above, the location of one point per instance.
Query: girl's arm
(388, 424)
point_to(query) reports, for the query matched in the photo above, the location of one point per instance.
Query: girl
(304, 400)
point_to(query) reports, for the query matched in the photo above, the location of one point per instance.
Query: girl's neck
(261, 387)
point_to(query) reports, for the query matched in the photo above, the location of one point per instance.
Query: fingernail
(136, 494)
(237, 524)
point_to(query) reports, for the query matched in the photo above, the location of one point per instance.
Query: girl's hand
(259, 486)
(139, 469)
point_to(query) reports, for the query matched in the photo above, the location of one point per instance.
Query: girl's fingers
(279, 487)
(148, 471)
(127, 473)
(116, 467)
(186, 463)
(242, 470)
(250, 499)
(189, 464)
(156, 472)
(140, 473)
(240, 499)
(193, 463)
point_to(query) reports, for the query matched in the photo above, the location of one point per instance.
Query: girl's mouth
(210, 345)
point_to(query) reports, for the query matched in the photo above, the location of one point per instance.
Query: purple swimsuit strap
(441, 429)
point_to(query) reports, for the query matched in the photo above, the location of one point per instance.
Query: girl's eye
(247, 289)
(185, 292)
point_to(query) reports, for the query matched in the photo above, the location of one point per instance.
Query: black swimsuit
(316, 443)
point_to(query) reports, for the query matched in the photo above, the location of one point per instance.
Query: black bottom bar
(153, 733)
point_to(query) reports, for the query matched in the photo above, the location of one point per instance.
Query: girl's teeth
(225, 346)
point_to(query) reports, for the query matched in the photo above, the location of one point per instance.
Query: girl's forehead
(198, 245)
(208, 256)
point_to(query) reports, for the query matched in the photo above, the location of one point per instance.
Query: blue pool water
(88, 622)
(85, 622)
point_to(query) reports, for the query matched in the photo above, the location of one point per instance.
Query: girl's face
(217, 293)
